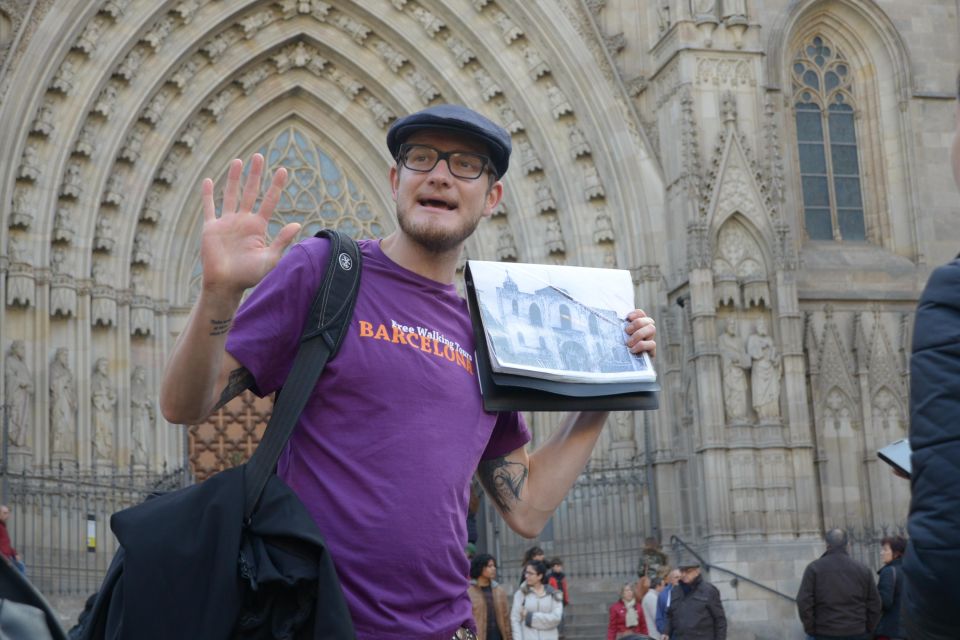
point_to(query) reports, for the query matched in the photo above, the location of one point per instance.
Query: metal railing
(677, 542)
(60, 520)
(598, 530)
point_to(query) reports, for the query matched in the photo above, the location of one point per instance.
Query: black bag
(24, 612)
(237, 556)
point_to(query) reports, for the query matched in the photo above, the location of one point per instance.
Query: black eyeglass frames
(423, 158)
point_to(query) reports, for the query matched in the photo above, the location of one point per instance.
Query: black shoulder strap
(326, 326)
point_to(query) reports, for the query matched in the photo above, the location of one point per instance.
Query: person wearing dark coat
(695, 612)
(933, 553)
(838, 599)
(890, 585)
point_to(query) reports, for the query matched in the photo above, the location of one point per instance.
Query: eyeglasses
(423, 158)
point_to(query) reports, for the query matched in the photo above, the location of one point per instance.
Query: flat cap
(457, 118)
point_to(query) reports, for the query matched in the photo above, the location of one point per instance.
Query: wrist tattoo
(239, 380)
(503, 480)
(220, 327)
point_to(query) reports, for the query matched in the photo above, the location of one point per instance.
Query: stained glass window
(318, 193)
(827, 144)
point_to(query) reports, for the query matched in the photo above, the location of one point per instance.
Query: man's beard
(436, 238)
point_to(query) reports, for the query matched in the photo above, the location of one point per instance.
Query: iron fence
(598, 530)
(60, 520)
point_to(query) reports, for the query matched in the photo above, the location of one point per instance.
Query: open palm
(233, 248)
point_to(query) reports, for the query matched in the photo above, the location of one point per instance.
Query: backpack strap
(326, 326)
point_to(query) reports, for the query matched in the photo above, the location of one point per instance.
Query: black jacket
(933, 551)
(890, 586)
(838, 596)
(697, 615)
(189, 568)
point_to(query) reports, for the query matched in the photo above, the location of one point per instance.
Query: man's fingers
(209, 208)
(232, 188)
(284, 238)
(273, 193)
(251, 186)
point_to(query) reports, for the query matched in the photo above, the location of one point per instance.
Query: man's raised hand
(233, 248)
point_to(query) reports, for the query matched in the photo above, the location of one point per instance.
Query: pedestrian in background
(626, 615)
(6, 546)
(649, 605)
(663, 600)
(890, 583)
(537, 607)
(838, 598)
(695, 612)
(491, 613)
(531, 554)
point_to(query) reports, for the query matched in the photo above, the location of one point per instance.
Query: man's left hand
(641, 332)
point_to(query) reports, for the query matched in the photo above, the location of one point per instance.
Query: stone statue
(19, 394)
(142, 415)
(734, 9)
(765, 376)
(653, 561)
(104, 399)
(735, 363)
(63, 404)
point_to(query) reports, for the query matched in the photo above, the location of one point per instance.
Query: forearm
(552, 469)
(190, 388)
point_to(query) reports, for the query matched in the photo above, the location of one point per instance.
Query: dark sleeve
(887, 586)
(668, 625)
(874, 610)
(719, 617)
(805, 599)
(930, 564)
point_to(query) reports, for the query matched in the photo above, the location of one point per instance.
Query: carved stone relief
(103, 398)
(19, 391)
(766, 371)
(734, 366)
(63, 405)
(559, 104)
(63, 289)
(142, 416)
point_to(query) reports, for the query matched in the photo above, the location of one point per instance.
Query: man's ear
(493, 198)
(394, 181)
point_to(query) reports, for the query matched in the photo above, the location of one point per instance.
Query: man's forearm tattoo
(220, 327)
(239, 380)
(503, 480)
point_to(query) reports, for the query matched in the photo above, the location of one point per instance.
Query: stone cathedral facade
(773, 173)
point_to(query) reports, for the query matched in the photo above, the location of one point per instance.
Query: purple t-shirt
(387, 444)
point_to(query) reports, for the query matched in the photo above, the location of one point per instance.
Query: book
(551, 337)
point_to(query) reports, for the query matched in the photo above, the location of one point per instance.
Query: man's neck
(483, 582)
(439, 267)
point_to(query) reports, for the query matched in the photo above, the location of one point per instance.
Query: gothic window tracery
(318, 194)
(825, 108)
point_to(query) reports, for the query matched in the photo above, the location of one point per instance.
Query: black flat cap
(457, 118)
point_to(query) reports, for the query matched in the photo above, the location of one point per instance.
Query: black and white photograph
(558, 322)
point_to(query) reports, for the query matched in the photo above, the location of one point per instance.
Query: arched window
(319, 193)
(565, 317)
(594, 326)
(516, 308)
(827, 142)
(535, 319)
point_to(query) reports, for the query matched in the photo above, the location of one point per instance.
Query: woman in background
(537, 607)
(890, 586)
(626, 615)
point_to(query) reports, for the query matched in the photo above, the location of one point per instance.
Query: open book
(559, 330)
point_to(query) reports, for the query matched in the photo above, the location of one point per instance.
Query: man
(649, 605)
(6, 547)
(933, 553)
(695, 611)
(664, 599)
(838, 598)
(383, 454)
